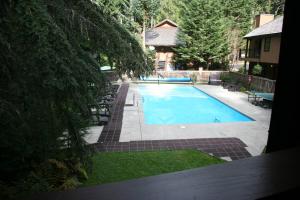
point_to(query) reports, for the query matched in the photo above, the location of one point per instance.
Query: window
(161, 64)
(267, 44)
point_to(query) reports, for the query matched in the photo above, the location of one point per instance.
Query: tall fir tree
(203, 34)
(168, 9)
(275, 7)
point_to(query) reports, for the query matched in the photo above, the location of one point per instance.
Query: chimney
(262, 19)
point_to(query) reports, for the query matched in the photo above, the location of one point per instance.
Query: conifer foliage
(49, 74)
(203, 33)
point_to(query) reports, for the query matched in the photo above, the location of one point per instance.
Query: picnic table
(260, 95)
(265, 96)
(263, 99)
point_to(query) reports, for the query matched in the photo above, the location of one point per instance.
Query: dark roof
(272, 27)
(162, 36)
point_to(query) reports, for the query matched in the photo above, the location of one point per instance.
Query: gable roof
(166, 21)
(272, 27)
(162, 36)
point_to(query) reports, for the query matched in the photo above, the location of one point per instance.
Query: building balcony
(251, 54)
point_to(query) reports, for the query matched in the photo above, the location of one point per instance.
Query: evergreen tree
(240, 14)
(168, 9)
(144, 11)
(275, 7)
(204, 35)
(49, 76)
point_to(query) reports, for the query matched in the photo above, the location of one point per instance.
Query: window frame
(267, 44)
(159, 66)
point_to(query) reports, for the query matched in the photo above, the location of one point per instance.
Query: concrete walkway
(254, 134)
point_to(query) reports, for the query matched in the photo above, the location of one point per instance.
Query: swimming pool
(174, 104)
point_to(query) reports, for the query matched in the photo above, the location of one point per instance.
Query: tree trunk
(152, 22)
(144, 34)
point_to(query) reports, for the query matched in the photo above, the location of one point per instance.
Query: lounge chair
(100, 115)
(99, 120)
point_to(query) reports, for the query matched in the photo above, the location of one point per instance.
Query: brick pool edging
(220, 147)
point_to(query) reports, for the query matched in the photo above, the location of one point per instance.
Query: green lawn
(117, 166)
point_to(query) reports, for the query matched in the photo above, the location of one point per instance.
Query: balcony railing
(252, 53)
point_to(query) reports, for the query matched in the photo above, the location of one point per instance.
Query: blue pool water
(173, 104)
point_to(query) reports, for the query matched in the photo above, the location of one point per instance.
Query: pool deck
(253, 134)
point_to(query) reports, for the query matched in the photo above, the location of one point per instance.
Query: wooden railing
(257, 83)
(269, 176)
(252, 53)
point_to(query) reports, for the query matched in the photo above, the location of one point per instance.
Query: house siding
(163, 54)
(166, 25)
(271, 56)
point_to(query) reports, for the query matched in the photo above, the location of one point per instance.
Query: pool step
(130, 100)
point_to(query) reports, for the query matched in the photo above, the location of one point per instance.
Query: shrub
(48, 176)
(243, 89)
(193, 77)
(257, 69)
(241, 70)
(252, 87)
(224, 77)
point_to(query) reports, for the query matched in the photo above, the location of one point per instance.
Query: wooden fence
(201, 75)
(257, 83)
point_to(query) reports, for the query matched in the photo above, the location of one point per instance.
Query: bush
(243, 89)
(50, 175)
(225, 77)
(193, 77)
(257, 69)
(241, 70)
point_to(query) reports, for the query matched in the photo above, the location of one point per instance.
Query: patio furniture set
(262, 99)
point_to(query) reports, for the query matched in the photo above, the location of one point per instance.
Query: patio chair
(106, 102)
(254, 98)
(100, 120)
(251, 95)
(100, 115)
(234, 86)
(109, 97)
(226, 84)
